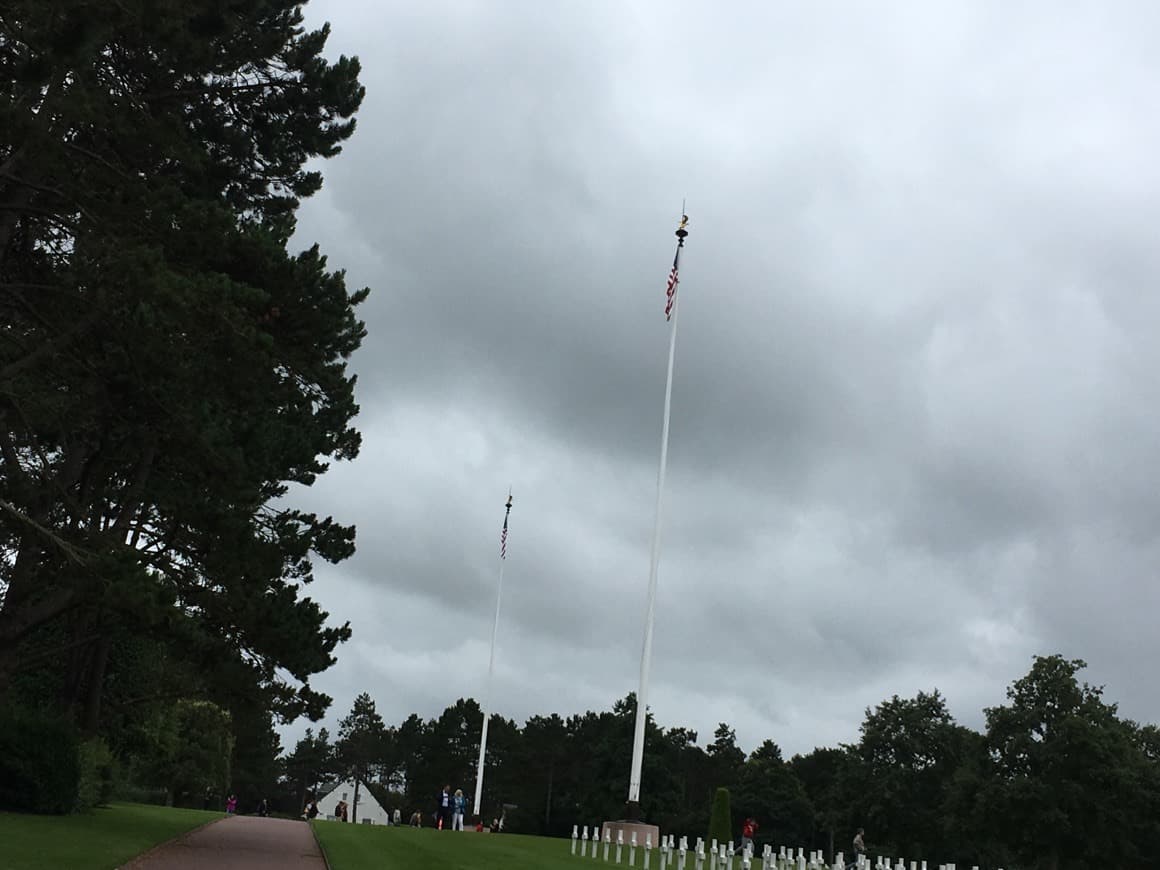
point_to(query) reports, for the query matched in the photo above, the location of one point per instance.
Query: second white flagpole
(654, 560)
(491, 662)
(487, 692)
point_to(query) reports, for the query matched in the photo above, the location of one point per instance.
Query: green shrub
(98, 774)
(39, 762)
(720, 821)
(130, 792)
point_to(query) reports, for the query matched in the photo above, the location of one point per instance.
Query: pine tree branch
(15, 625)
(54, 651)
(39, 188)
(220, 90)
(71, 551)
(93, 155)
(46, 213)
(8, 451)
(48, 348)
(136, 489)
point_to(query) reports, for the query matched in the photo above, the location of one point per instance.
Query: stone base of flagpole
(642, 831)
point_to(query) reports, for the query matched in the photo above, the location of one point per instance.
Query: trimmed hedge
(720, 820)
(39, 763)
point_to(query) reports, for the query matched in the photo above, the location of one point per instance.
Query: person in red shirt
(748, 829)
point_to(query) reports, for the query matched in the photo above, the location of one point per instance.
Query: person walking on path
(231, 804)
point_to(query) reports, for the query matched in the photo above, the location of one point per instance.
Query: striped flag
(674, 277)
(671, 290)
(503, 534)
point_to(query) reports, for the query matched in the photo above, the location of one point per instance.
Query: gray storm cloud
(914, 430)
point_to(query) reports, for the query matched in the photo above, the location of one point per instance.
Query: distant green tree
(1071, 789)
(254, 765)
(973, 833)
(408, 755)
(726, 758)
(769, 790)
(189, 755)
(544, 749)
(453, 749)
(502, 776)
(311, 762)
(362, 744)
(909, 752)
(823, 774)
(604, 742)
(720, 818)
(670, 756)
(1146, 810)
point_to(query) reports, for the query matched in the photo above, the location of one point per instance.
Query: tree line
(1056, 779)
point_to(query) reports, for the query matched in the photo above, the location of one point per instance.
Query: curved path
(238, 843)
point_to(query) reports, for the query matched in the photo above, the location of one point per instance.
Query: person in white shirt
(859, 848)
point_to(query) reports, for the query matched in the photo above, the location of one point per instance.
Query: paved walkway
(238, 843)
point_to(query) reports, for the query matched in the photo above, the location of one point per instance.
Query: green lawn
(366, 847)
(355, 847)
(100, 840)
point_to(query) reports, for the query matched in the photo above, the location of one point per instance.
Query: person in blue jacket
(458, 808)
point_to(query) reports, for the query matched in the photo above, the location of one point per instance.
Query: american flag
(671, 290)
(503, 534)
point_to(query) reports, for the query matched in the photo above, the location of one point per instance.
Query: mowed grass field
(363, 847)
(100, 840)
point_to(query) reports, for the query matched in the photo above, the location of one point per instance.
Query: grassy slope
(100, 840)
(359, 847)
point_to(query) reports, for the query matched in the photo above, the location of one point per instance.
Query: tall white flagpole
(646, 651)
(491, 660)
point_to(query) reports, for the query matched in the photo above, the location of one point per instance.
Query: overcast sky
(915, 431)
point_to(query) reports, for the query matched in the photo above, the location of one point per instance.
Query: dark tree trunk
(20, 581)
(77, 669)
(548, 803)
(96, 686)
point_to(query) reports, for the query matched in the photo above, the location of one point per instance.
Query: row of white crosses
(675, 855)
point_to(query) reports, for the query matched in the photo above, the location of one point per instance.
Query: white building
(368, 811)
